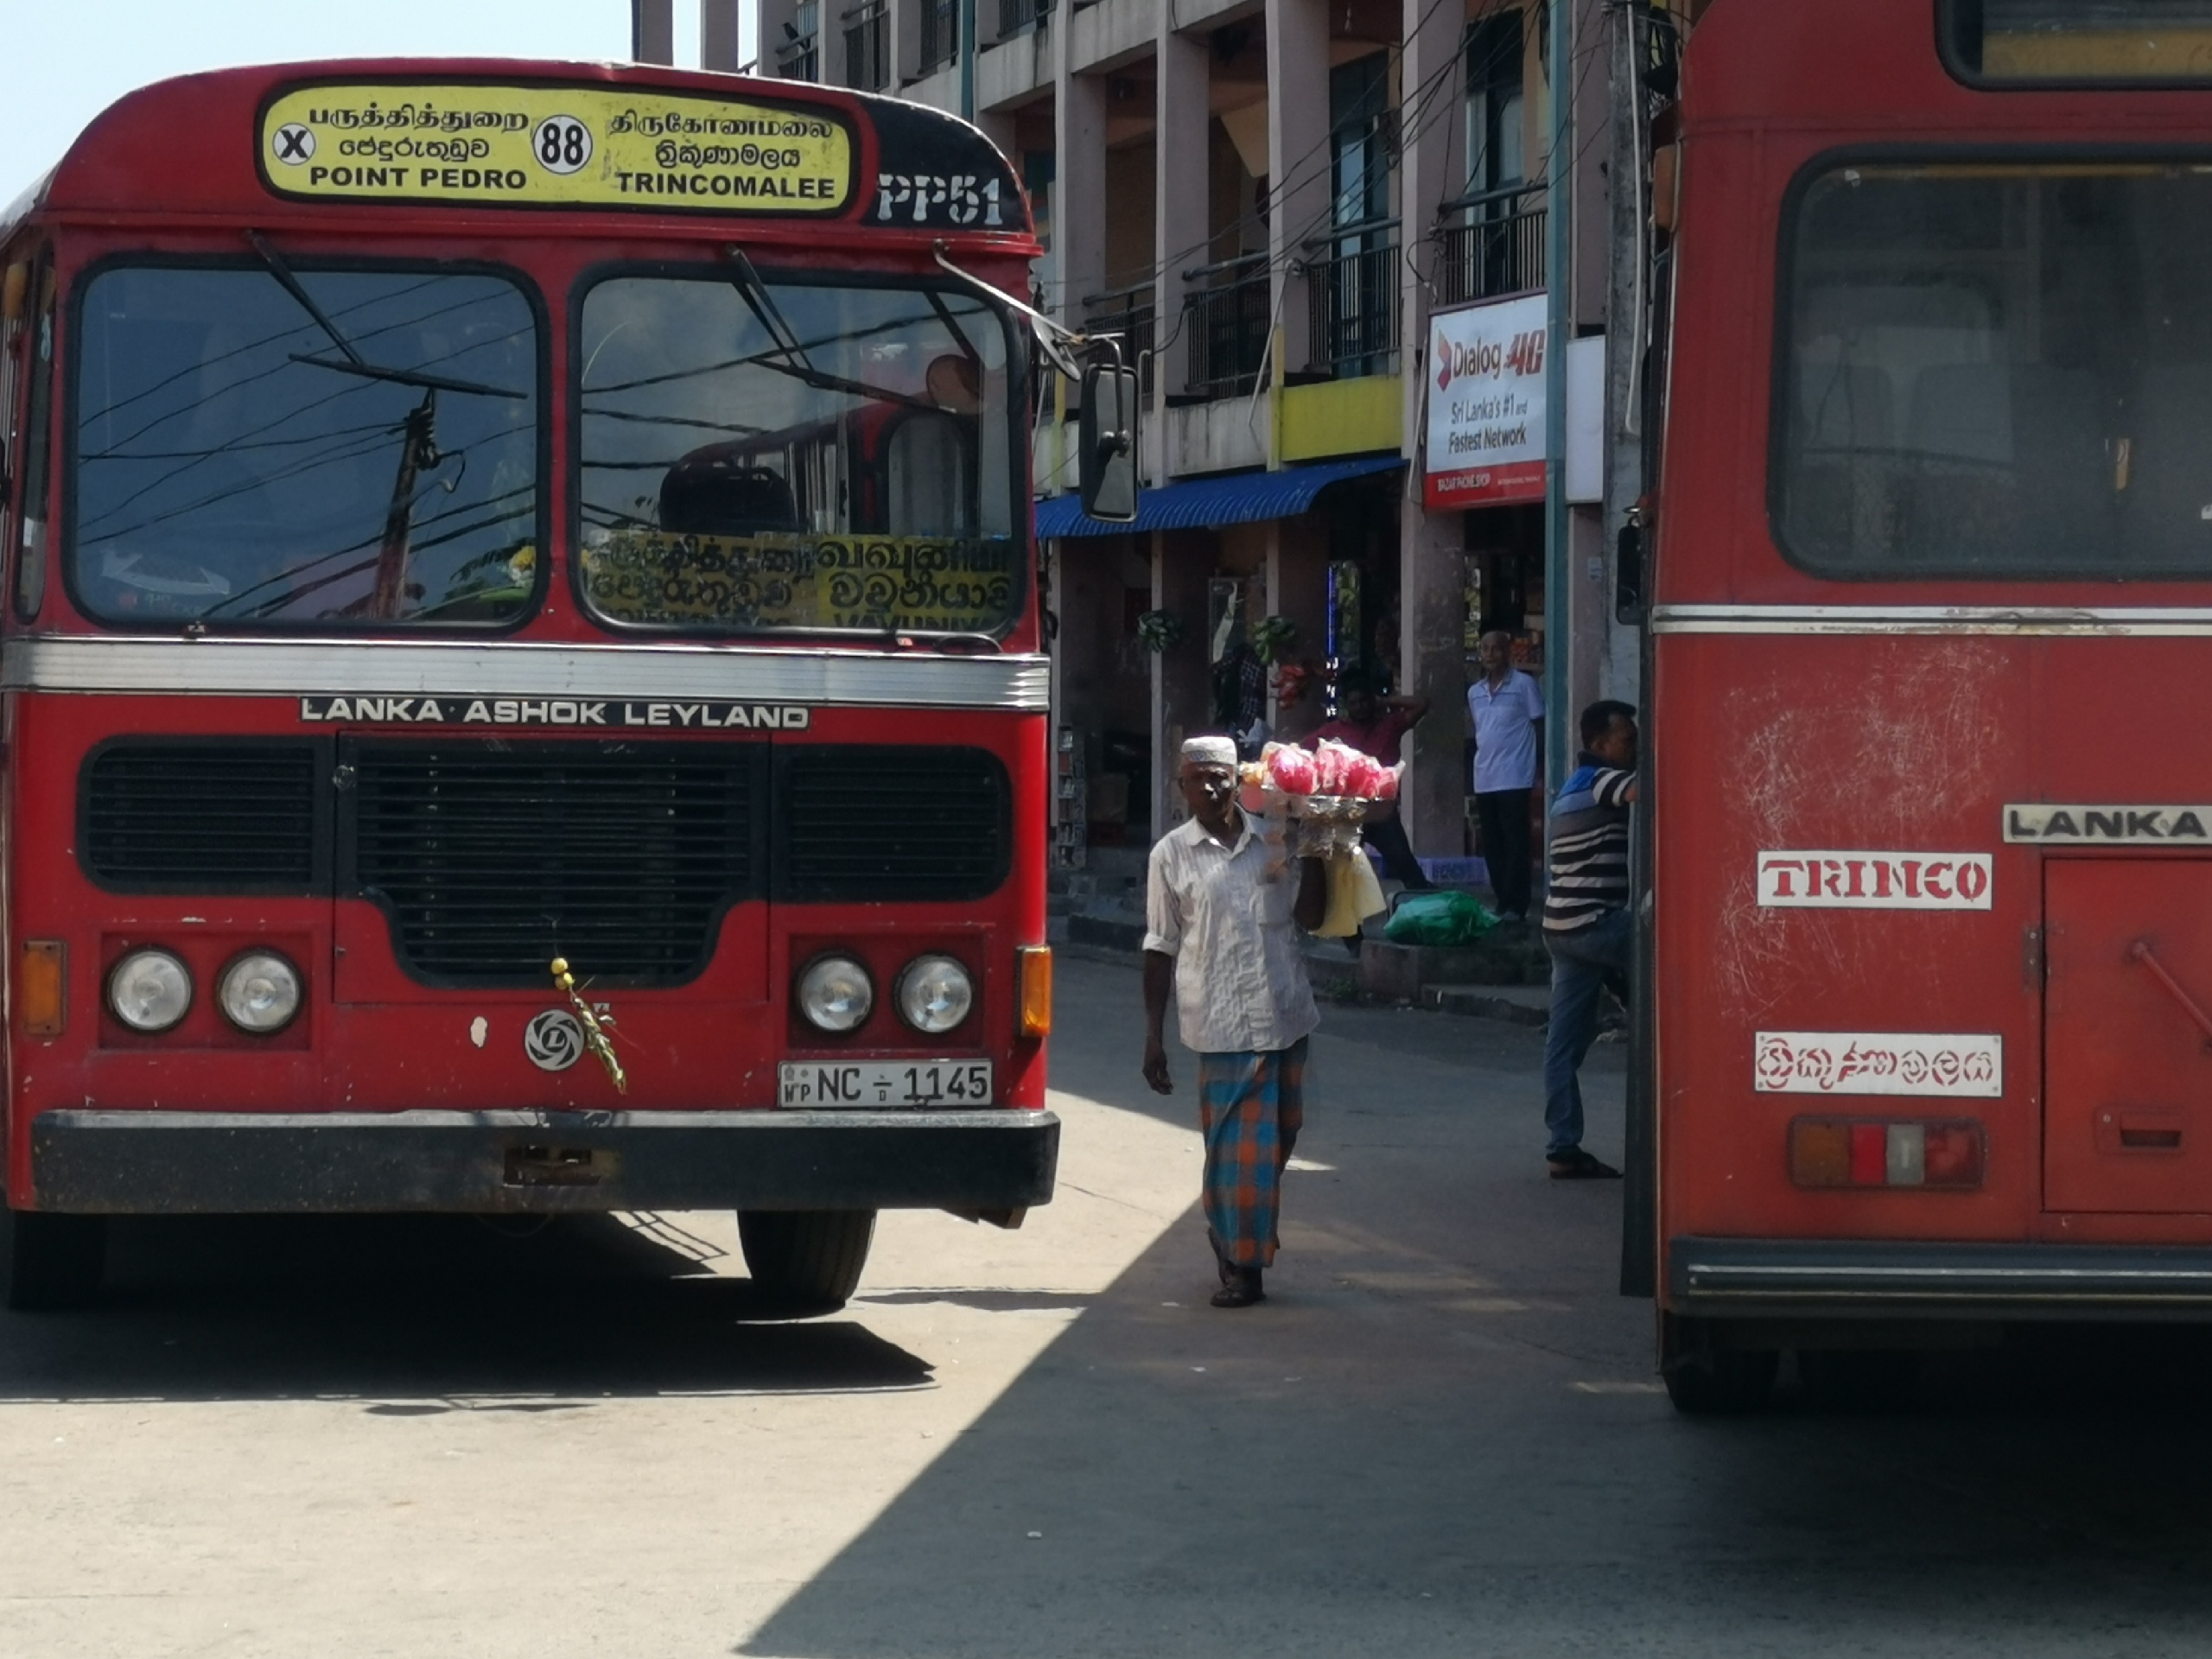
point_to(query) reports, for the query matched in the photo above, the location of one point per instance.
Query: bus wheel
(806, 1259)
(51, 1261)
(1704, 1379)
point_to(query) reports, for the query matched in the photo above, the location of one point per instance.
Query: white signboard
(2095, 825)
(1839, 880)
(1969, 1065)
(1486, 403)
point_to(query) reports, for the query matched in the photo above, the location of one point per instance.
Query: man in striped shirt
(1588, 928)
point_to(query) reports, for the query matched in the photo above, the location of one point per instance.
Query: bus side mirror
(1628, 571)
(1106, 467)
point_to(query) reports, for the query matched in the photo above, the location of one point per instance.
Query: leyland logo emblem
(553, 1040)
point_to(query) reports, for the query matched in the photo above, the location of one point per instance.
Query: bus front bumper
(989, 1162)
(1829, 1279)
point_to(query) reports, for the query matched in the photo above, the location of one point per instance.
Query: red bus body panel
(1781, 738)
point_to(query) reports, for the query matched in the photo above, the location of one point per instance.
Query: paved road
(1439, 1436)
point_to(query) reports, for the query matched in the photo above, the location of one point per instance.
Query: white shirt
(1505, 731)
(1224, 912)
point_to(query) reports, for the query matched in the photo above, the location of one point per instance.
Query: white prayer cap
(1210, 752)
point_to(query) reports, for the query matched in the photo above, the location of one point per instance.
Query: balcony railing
(1496, 247)
(1228, 324)
(1127, 313)
(868, 47)
(800, 60)
(1014, 15)
(1352, 304)
(940, 33)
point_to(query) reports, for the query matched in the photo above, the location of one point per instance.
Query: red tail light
(1943, 1153)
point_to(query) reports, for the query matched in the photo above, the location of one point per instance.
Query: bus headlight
(259, 992)
(834, 995)
(149, 990)
(935, 995)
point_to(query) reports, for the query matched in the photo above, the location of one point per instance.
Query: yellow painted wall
(1342, 418)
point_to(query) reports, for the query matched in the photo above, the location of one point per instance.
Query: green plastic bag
(1439, 919)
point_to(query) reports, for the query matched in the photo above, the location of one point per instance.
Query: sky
(70, 61)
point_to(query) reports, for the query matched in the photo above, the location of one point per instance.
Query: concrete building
(1280, 207)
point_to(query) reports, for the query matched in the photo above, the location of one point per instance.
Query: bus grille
(890, 824)
(492, 860)
(171, 816)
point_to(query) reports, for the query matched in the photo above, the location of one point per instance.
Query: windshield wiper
(406, 376)
(354, 362)
(796, 363)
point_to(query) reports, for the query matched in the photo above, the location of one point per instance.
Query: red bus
(1930, 859)
(522, 674)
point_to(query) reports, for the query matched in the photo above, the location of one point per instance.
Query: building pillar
(718, 35)
(1432, 568)
(1299, 167)
(652, 31)
(1181, 220)
(1078, 186)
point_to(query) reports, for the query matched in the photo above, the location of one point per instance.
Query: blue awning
(1239, 498)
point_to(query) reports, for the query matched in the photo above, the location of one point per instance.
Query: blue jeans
(1582, 963)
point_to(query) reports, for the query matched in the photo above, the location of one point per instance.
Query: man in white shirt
(1220, 902)
(1507, 710)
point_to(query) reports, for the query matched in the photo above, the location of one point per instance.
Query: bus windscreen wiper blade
(405, 376)
(354, 363)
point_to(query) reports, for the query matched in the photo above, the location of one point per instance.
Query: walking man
(1377, 726)
(1506, 708)
(1220, 900)
(1587, 926)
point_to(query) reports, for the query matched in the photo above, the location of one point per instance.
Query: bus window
(801, 455)
(237, 462)
(1998, 372)
(2095, 42)
(36, 445)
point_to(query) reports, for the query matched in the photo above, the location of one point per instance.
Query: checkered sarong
(1250, 1108)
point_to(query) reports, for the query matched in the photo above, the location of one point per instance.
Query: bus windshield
(797, 456)
(2112, 43)
(1998, 370)
(240, 460)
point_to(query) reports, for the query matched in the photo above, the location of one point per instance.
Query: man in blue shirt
(1588, 927)
(1505, 709)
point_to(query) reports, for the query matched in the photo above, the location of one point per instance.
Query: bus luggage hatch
(2127, 1035)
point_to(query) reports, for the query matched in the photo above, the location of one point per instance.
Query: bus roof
(419, 136)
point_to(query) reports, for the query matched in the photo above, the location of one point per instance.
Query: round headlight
(149, 990)
(833, 994)
(935, 995)
(259, 992)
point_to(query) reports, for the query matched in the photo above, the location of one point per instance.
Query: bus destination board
(555, 146)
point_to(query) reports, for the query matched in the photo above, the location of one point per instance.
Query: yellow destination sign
(555, 147)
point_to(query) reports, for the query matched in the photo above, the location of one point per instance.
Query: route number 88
(561, 143)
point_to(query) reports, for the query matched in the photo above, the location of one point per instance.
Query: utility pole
(1559, 209)
(967, 59)
(652, 31)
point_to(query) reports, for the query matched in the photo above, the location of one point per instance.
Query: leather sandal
(1242, 1291)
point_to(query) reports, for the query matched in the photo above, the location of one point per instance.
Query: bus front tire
(49, 1262)
(1704, 1379)
(807, 1260)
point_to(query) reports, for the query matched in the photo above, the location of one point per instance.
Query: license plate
(884, 1082)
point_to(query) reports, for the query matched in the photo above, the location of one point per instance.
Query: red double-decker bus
(1931, 864)
(522, 686)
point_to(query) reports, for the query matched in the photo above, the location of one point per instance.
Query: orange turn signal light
(42, 987)
(1033, 970)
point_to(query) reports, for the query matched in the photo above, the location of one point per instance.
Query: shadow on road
(418, 1308)
(1442, 1436)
